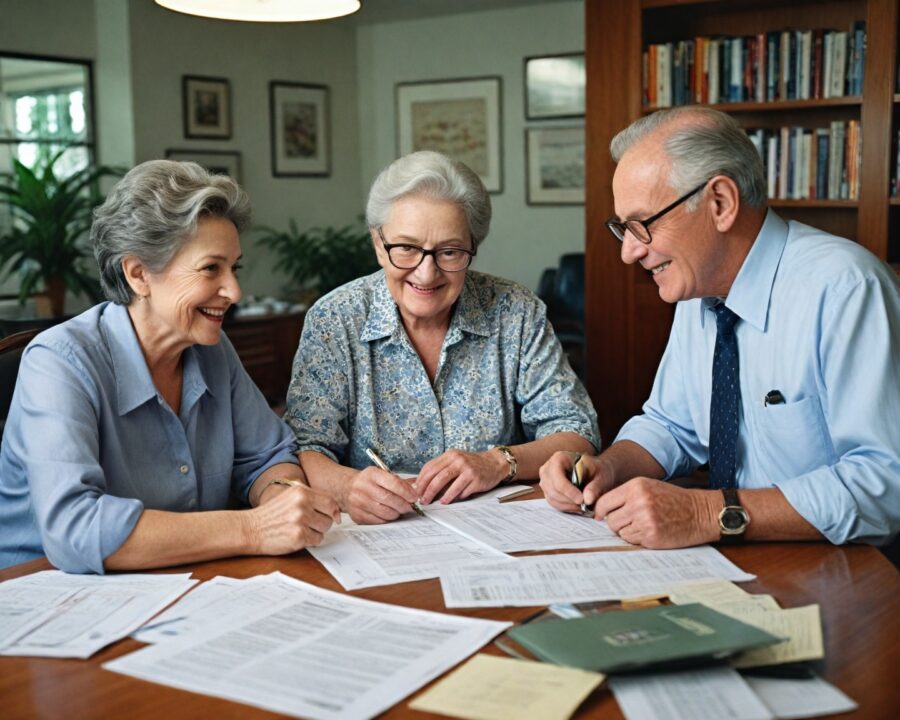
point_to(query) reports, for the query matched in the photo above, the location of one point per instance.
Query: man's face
(686, 256)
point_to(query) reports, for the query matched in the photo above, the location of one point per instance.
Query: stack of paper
(79, 614)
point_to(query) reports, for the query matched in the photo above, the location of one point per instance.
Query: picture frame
(206, 107)
(554, 160)
(554, 86)
(219, 162)
(300, 129)
(461, 118)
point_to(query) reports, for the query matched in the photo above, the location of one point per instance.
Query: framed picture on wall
(555, 165)
(206, 107)
(220, 162)
(300, 133)
(554, 86)
(460, 118)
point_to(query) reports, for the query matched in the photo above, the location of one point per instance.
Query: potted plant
(321, 258)
(50, 216)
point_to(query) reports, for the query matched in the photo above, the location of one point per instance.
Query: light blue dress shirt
(89, 441)
(502, 377)
(821, 324)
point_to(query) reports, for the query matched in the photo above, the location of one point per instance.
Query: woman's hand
(290, 519)
(374, 496)
(462, 473)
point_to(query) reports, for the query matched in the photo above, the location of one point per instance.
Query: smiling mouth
(424, 290)
(659, 268)
(217, 314)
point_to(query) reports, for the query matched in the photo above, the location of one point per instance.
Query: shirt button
(184, 469)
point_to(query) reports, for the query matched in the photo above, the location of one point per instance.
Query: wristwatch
(511, 459)
(733, 519)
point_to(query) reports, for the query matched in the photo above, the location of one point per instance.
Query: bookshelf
(627, 324)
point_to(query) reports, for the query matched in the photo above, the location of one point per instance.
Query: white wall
(524, 239)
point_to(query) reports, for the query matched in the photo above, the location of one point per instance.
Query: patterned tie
(725, 407)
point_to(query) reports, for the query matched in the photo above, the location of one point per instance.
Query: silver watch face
(733, 520)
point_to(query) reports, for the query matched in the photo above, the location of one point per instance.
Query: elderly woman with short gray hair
(446, 373)
(133, 423)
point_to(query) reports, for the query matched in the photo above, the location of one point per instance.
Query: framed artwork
(554, 86)
(300, 133)
(555, 165)
(460, 118)
(219, 162)
(206, 106)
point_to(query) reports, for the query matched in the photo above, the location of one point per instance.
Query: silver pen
(576, 478)
(373, 456)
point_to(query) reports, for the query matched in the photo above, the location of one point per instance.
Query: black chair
(566, 308)
(11, 349)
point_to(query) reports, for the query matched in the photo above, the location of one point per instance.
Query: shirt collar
(751, 292)
(383, 320)
(134, 385)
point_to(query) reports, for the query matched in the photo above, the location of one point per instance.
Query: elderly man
(782, 369)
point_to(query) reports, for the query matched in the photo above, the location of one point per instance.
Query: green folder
(631, 639)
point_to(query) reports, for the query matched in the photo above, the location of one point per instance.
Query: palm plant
(49, 221)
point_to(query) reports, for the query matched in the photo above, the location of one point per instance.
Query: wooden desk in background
(266, 346)
(857, 588)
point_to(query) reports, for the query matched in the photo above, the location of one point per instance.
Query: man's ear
(725, 198)
(136, 275)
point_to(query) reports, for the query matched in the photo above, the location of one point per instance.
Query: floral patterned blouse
(502, 377)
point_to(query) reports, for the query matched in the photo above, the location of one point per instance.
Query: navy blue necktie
(725, 407)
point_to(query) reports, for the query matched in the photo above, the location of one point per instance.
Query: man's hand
(597, 478)
(374, 496)
(462, 473)
(657, 514)
(291, 519)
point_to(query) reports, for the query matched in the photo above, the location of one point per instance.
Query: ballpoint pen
(576, 478)
(373, 456)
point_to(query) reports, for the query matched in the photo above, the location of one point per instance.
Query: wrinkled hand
(556, 474)
(291, 519)
(374, 496)
(657, 514)
(462, 473)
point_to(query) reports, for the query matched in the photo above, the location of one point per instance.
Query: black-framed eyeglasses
(641, 228)
(409, 257)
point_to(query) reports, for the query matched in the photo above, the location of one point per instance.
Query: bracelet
(287, 482)
(511, 459)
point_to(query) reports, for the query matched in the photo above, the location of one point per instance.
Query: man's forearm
(772, 517)
(627, 459)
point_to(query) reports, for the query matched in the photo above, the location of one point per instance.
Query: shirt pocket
(792, 438)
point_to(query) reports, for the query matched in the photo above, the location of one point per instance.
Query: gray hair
(435, 176)
(152, 211)
(713, 145)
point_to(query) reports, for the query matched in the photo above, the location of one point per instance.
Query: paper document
(495, 688)
(707, 694)
(88, 612)
(803, 627)
(790, 699)
(23, 606)
(526, 525)
(582, 577)
(415, 548)
(317, 654)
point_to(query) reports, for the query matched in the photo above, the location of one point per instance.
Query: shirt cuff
(656, 440)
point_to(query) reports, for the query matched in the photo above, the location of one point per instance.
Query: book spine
(823, 140)
(772, 166)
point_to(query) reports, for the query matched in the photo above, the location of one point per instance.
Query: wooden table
(856, 586)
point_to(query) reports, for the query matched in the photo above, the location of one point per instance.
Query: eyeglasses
(641, 228)
(408, 257)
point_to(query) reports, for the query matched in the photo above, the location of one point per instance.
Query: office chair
(566, 311)
(11, 349)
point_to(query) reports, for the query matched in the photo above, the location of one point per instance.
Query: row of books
(778, 65)
(811, 163)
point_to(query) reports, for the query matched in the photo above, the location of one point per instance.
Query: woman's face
(424, 294)
(188, 299)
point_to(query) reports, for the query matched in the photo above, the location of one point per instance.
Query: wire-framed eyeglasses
(409, 257)
(640, 229)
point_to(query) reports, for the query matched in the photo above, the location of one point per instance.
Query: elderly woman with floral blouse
(449, 374)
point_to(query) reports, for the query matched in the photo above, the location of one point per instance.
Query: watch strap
(732, 502)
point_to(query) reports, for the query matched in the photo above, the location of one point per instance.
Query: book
(667, 635)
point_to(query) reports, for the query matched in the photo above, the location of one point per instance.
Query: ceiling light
(264, 10)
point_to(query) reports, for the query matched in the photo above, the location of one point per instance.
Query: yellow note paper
(803, 627)
(707, 592)
(496, 688)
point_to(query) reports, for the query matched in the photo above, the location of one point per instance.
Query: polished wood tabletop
(857, 588)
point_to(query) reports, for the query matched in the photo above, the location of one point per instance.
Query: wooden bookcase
(627, 324)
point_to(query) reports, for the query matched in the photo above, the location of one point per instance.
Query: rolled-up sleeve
(58, 440)
(551, 397)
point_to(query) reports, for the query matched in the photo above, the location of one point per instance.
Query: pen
(576, 478)
(373, 456)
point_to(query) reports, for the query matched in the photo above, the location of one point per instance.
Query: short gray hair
(152, 211)
(435, 176)
(713, 145)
